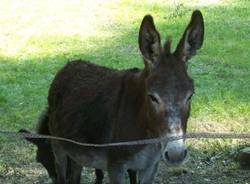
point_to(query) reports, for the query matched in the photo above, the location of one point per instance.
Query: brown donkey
(94, 104)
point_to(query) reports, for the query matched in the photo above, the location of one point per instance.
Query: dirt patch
(203, 173)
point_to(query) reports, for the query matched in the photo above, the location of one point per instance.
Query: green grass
(39, 37)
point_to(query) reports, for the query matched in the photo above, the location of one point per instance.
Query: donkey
(95, 104)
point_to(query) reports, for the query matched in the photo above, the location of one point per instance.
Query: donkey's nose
(175, 157)
(183, 154)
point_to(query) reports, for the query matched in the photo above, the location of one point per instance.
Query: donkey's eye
(153, 98)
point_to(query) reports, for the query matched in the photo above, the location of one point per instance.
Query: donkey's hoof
(243, 157)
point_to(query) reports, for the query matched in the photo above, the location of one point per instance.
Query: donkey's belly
(88, 158)
(97, 158)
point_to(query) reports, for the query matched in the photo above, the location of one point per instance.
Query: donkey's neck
(134, 118)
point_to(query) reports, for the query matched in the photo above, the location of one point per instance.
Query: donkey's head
(44, 154)
(168, 86)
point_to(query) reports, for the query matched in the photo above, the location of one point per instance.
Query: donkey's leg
(132, 176)
(99, 176)
(75, 172)
(116, 174)
(147, 176)
(60, 164)
(68, 172)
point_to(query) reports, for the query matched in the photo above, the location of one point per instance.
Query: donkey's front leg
(99, 176)
(116, 174)
(147, 176)
(60, 164)
(75, 172)
(132, 176)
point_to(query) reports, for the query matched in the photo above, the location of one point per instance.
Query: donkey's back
(83, 98)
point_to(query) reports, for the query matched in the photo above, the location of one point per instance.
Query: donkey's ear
(149, 40)
(192, 38)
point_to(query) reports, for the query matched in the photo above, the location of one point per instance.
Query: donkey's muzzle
(175, 159)
(175, 152)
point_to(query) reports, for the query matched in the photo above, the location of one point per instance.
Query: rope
(203, 135)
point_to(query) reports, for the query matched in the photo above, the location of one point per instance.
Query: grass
(39, 37)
